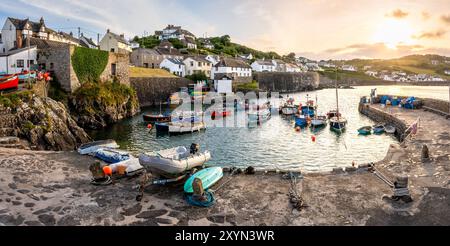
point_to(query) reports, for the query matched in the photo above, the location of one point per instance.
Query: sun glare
(393, 33)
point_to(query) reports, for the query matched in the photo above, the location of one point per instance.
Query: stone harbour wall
(385, 118)
(287, 82)
(151, 91)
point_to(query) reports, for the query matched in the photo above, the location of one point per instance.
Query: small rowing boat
(365, 130)
(390, 129)
(208, 176)
(378, 129)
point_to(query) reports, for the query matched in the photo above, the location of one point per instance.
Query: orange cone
(107, 170)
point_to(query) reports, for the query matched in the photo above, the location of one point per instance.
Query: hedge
(89, 63)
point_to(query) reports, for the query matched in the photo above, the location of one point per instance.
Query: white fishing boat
(92, 147)
(337, 122)
(319, 121)
(175, 161)
(185, 127)
(259, 116)
(288, 108)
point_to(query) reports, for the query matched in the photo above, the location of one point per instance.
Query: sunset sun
(393, 33)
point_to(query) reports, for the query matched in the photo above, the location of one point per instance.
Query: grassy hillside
(416, 64)
(140, 72)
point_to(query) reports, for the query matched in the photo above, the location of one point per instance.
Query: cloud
(373, 51)
(425, 15)
(431, 35)
(446, 18)
(398, 13)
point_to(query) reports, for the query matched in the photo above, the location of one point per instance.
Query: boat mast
(337, 95)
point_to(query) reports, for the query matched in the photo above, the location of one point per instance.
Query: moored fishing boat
(90, 148)
(337, 122)
(319, 121)
(301, 121)
(156, 118)
(365, 130)
(333, 113)
(9, 82)
(260, 116)
(175, 161)
(181, 128)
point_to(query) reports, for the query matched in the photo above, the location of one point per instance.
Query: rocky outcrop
(287, 82)
(96, 106)
(40, 124)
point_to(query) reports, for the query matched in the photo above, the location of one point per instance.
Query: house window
(112, 50)
(20, 63)
(199, 64)
(52, 66)
(179, 66)
(192, 64)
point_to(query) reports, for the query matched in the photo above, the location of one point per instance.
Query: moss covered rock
(96, 105)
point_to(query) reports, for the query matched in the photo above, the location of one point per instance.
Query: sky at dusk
(317, 29)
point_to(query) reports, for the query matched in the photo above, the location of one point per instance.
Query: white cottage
(233, 68)
(174, 66)
(223, 84)
(18, 60)
(263, 66)
(197, 64)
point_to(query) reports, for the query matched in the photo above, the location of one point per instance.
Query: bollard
(425, 153)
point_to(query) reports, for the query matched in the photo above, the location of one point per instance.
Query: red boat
(11, 82)
(216, 114)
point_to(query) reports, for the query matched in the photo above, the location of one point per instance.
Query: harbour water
(275, 144)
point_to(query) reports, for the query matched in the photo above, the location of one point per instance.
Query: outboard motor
(195, 148)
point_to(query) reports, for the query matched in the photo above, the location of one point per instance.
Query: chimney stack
(107, 31)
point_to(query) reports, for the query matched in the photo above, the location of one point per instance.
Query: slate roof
(175, 61)
(198, 59)
(119, 38)
(231, 62)
(45, 44)
(265, 62)
(15, 51)
(87, 42)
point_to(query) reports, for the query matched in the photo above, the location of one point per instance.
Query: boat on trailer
(174, 162)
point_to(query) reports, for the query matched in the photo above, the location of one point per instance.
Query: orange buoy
(107, 170)
(313, 138)
(149, 126)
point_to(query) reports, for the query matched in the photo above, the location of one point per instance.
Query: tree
(200, 76)
(177, 44)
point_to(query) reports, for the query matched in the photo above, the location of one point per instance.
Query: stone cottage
(55, 57)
